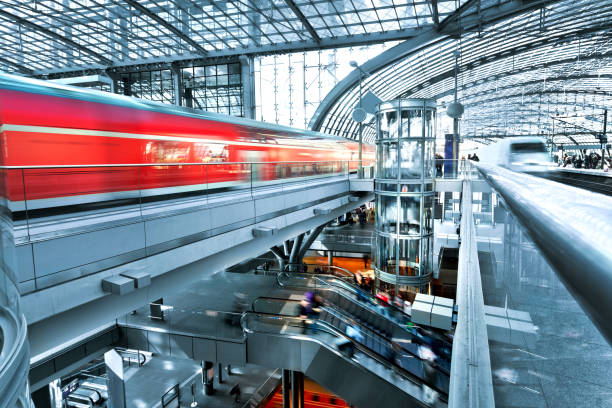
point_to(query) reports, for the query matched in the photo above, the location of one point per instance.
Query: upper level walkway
(90, 256)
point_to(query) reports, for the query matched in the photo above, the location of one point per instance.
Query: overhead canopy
(46, 36)
(547, 71)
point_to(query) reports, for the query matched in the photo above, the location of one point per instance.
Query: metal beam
(311, 238)
(469, 85)
(55, 36)
(456, 15)
(166, 25)
(268, 49)
(298, 13)
(434, 12)
(19, 67)
(429, 37)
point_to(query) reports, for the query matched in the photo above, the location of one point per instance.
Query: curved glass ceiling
(541, 72)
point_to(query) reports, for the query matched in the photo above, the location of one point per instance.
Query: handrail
(471, 383)
(329, 329)
(362, 328)
(351, 287)
(572, 228)
(64, 166)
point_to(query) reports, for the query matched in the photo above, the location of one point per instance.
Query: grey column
(297, 389)
(330, 258)
(247, 74)
(176, 83)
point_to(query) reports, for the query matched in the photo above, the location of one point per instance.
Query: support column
(286, 378)
(330, 258)
(127, 86)
(207, 377)
(247, 75)
(297, 242)
(280, 256)
(176, 83)
(311, 238)
(297, 389)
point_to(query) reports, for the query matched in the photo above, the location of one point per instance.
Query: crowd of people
(584, 160)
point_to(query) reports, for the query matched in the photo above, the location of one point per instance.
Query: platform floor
(566, 362)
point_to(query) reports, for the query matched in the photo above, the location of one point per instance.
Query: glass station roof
(545, 72)
(55, 35)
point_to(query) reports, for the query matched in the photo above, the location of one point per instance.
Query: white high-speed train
(524, 153)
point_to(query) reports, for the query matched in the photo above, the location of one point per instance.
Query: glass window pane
(409, 216)
(411, 160)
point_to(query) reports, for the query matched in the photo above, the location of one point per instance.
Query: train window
(315, 397)
(333, 401)
(535, 147)
(215, 153)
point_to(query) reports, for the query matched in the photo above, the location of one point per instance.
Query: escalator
(389, 321)
(366, 379)
(406, 355)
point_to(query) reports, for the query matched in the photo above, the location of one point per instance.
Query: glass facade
(404, 191)
(214, 88)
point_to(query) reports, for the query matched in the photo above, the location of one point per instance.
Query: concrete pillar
(297, 389)
(330, 258)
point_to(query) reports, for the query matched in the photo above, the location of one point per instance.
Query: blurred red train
(139, 146)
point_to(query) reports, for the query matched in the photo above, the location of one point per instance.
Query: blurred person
(439, 162)
(345, 345)
(428, 358)
(383, 302)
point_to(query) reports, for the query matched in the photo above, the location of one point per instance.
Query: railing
(471, 382)
(347, 237)
(34, 192)
(327, 282)
(395, 353)
(201, 322)
(324, 334)
(572, 228)
(454, 169)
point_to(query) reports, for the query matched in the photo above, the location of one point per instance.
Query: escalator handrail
(351, 287)
(349, 320)
(333, 286)
(336, 333)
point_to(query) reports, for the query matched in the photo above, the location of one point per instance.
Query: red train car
(108, 147)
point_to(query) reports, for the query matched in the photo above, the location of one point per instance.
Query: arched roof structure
(545, 71)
